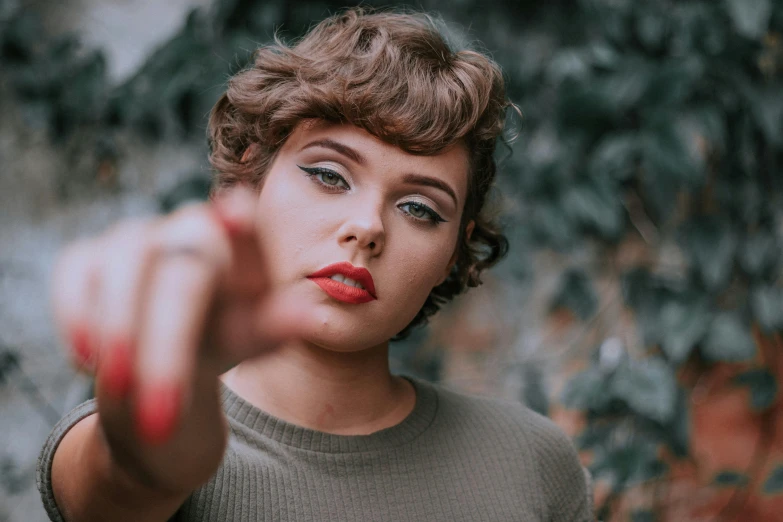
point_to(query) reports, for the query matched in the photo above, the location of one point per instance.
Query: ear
(249, 152)
(468, 232)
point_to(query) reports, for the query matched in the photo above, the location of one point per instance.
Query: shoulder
(528, 438)
(504, 416)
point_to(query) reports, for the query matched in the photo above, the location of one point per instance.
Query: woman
(240, 347)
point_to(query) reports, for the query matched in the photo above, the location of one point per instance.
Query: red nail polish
(115, 376)
(82, 351)
(157, 410)
(231, 227)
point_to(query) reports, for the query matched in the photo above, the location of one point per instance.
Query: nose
(363, 229)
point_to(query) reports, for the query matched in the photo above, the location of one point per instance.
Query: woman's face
(336, 194)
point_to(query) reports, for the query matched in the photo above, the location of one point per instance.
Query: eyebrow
(418, 179)
(345, 150)
(410, 178)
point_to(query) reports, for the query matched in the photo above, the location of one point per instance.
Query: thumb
(235, 210)
(249, 327)
(278, 317)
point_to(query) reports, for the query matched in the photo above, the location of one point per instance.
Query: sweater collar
(284, 432)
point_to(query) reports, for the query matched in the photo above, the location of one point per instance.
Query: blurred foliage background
(642, 197)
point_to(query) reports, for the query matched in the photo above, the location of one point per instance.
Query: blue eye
(421, 212)
(327, 177)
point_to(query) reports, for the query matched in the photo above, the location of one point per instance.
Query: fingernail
(156, 412)
(235, 208)
(115, 376)
(229, 223)
(82, 350)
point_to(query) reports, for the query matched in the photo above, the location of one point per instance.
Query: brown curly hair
(393, 75)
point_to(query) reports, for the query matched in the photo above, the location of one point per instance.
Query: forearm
(101, 471)
(89, 485)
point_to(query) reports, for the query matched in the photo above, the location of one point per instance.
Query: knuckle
(194, 228)
(129, 230)
(196, 212)
(184, 275)
(72, 258)
(126, 247)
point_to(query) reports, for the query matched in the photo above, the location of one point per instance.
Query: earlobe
(468, 232)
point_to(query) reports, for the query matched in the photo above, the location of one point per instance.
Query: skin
(157, 309)
(363, 217)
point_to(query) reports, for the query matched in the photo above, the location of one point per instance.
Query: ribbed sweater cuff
(43, 472)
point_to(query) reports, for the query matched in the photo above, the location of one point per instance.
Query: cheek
(286, 224)
(414, 268)
(419, 266)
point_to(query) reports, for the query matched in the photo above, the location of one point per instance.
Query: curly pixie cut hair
(393, 75)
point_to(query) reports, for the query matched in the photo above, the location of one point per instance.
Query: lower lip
(342, 292)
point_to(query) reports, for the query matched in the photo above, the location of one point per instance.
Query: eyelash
(314, 172)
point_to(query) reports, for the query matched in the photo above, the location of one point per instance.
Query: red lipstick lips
(345, 292)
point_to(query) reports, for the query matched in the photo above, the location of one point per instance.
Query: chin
(342, 330)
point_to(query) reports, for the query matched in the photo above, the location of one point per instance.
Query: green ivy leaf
(534, 390)
(9, 363)
(767, 108)
(647, 295)
(642, 515)
(577, 294)
(586, 107)
(711, 124)
(603, 56)
(594, 434)
(648, 387)
(774, 483)
(767, 305)
(683, 324)
(614, 21)
(567, 63)
(586, 391)
(763, 387)
(551, 226)
(651, 25)
(614, 157)
(730, 478)
(671, 159)
(629, 463)
(710, 244)
(750, 17)
(660, 196)
(759, 253)
(672, 82)
(637, 285)
(728, 339)
(596, 208)
(627, 85)
(678, 431)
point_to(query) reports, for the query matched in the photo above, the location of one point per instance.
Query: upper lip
(357, 273)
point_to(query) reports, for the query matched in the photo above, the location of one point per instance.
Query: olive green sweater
(454, 458)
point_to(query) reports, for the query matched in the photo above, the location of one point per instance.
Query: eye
(327, 177)
(421, 212)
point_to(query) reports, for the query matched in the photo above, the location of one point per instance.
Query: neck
(340, 393)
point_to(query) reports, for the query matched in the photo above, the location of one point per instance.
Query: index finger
(188, 264)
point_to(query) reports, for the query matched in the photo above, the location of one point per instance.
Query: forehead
(451, 165)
